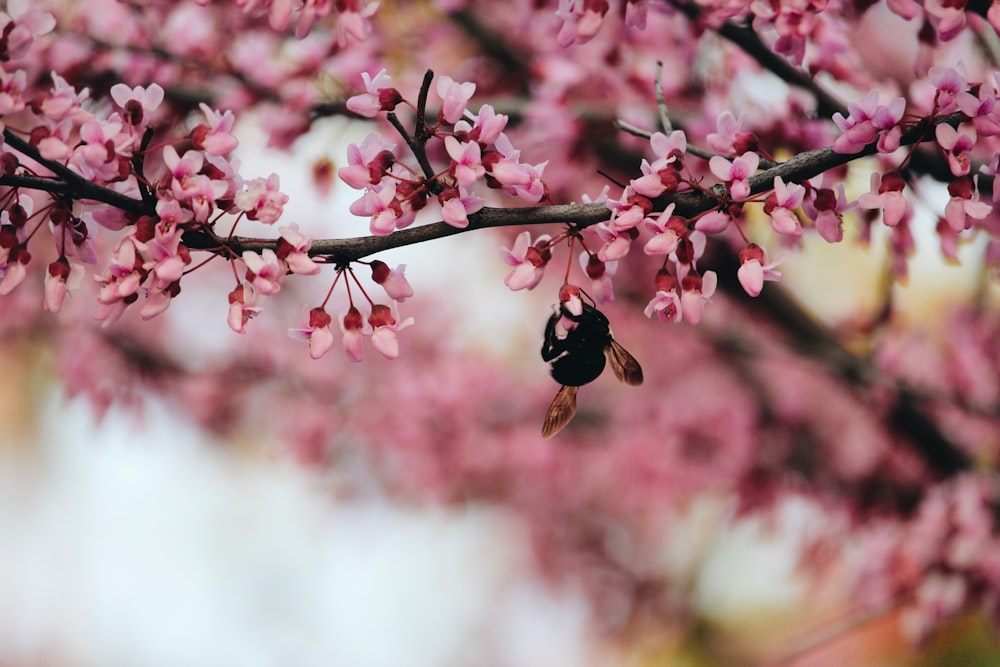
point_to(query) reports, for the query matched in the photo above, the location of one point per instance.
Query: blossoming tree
(659, 154)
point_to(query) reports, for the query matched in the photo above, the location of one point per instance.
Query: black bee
(579, 358)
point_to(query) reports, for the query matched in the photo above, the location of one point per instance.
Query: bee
(579, 358)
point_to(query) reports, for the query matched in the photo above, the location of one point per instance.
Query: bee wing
(626, 368)
(560, 412)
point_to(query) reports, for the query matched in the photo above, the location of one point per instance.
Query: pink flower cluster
(943, 562)
(479, 151)
(352, 15)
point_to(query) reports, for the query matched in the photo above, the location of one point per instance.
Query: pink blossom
(755, 269)
(581, 20)
(467, 159)
(949, 83)
(170, 211)
(393, 282)
(60, 279)
(385, 329)
(528, 260)
(265, 271)
(12, 86)
(380, 203)
(964, 205)
(668, 148)
(261, 200)
(828, 215)
(316, 332)
(628, 210)
(22, 22)
(293, 249)
(64, 102)
(137, 103)
(956, 144)
(242, 307)
(455, 209)
(887, 194)
(216, 137)
(454, 97)
(735, 173)
(352, 22)
(15, 270)
(516, 179)
(616, 244)
(167, 257)
(368, 163)
(728, 140)
(379, 95)
(489, 125)
(666, 235)
(354, 328)
(983, 110)
(713, 222)
(600, 274)
(183, 170)
(858, 129)
(781, 205)
(695, 292)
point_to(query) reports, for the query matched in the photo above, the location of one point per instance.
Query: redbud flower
(528, 260)
(352, 22)
(468, 161)
(380, 203)
(265, 271)
(667, 235)
(616, 244)
(393, 282)
(713, 222)
(956, 144)
(581, 20)
(61, 278)
(964, 204)
(316, 332)
(628, 210)
(261, 200)
(380, 96)
(368, 163)
(293, 248)
(667, 302)
(695, 292)
(727, 139)
(489, 125)
(14, 271)
(600, 274)
(456, 206)
(781, 205)
(216, 138)
(754, 269)
(242, 307)
(352, 324)
(137, 103)
(455, 97)
(949, 82)
(384, 330)
(735, 173)
(829, 208)
(887, 194)
(982, 110)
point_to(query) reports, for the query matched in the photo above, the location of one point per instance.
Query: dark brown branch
(688, 204)
(68, 182)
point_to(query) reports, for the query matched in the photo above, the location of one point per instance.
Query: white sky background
(138, 543)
